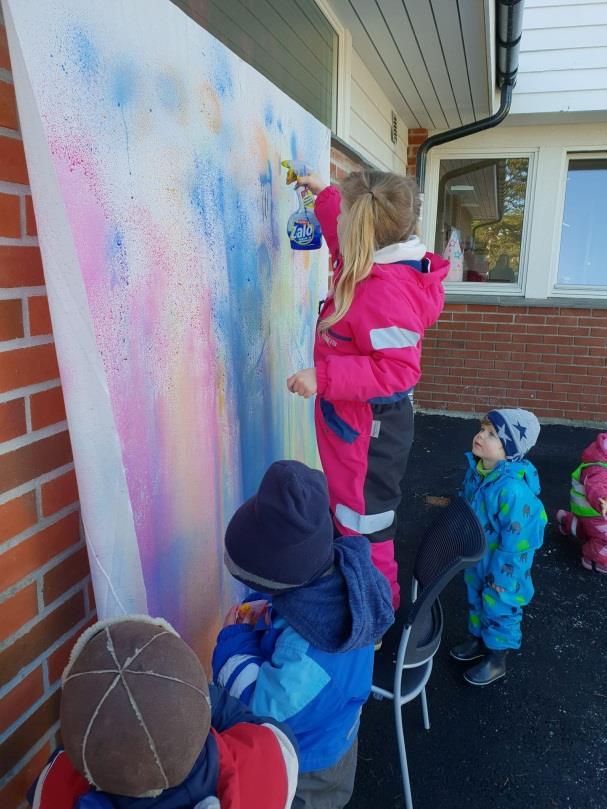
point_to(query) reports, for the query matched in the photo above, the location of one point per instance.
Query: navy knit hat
(518, 430)
(282, 538)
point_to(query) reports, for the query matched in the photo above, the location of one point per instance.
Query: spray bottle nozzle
(291, 173)
(295, 170)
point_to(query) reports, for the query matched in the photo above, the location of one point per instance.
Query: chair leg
(402, 753)
(425, 710)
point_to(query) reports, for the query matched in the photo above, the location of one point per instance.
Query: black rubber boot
(470, 649)
(489, 670)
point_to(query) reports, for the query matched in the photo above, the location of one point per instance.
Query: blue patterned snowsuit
(514, 519)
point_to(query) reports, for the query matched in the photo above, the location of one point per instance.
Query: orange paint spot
(209, 107)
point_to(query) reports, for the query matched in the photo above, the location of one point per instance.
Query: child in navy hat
(300, 648)
(502, 488)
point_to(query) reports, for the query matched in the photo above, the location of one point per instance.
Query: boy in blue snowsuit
(503, 489)
(301, 648)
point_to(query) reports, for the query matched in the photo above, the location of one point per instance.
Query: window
(582, 253)
(290, 41)
(480, 218)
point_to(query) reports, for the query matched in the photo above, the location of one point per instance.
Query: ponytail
(381, 208)
(358, 250)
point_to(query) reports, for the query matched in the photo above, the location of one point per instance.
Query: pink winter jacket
(594, 478)
(374, 352)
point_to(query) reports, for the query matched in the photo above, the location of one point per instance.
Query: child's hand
(303, 383)
(231, 615)
(312, 181)
(248, 613)
(603, 502)
(251, 611)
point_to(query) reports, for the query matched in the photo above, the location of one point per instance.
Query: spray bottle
(303, 228)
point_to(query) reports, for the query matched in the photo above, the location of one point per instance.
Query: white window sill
(483, 289)
(517, 299)
(587, 292)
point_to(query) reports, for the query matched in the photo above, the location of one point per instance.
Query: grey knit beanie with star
(518, 430)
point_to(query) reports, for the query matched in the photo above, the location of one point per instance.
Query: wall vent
(394, 128)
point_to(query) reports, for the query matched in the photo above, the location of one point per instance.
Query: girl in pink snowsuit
(387, 290)
(587, 519)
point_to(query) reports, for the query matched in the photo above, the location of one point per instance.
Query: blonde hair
(383, 208)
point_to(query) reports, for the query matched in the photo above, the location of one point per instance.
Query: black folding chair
(453, 542)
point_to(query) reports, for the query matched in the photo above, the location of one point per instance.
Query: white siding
(370, 122)
(563, 59)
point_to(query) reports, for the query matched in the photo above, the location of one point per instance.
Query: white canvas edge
(105, 503)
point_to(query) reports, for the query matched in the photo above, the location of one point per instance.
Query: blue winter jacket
(513, 518)
(312, 666)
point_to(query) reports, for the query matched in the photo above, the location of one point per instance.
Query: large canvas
(178, 306)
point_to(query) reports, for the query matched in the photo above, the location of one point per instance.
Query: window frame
(571, 290)
(340, 126)
(459, 152)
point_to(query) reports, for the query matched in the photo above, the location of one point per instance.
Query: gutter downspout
(508, 34)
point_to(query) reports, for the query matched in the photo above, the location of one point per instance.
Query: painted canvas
(178, 307)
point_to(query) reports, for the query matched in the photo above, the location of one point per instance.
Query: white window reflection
(480, 217)
(582, 259)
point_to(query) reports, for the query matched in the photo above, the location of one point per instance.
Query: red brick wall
(549, 360)
(342, 163)
(45, 592)
(415, 138)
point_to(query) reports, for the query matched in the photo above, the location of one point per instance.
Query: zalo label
(304, 231)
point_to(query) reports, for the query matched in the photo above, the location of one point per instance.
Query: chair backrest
(453, 542)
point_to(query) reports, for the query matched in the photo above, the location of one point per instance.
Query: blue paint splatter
(85, 53)
(268, 210)
(280, 126)
(222, 77)
(226, 210)
(123, 91)
(124, 85)
(117, 258)
(169, 92)
(268, 116)
(165, 566)
(207, 196)
(294, 145)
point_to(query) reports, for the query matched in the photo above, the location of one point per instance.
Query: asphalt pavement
(536, 739)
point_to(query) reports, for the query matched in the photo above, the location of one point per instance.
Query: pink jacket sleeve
(594, 479)
(388, 334)
(327, 209)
